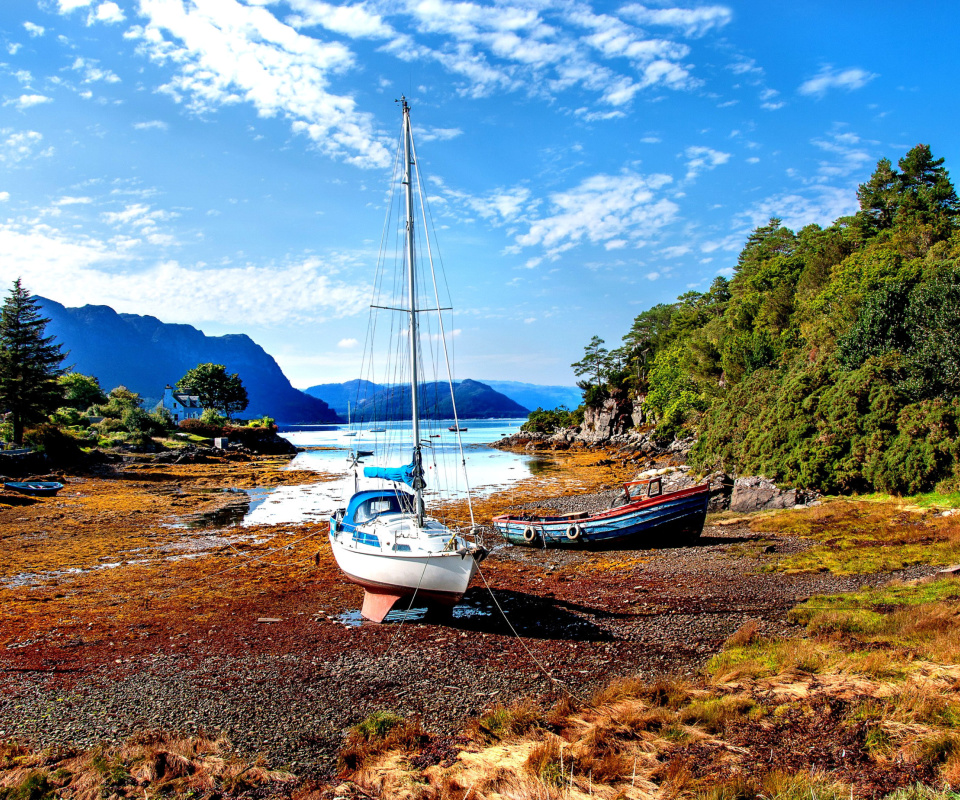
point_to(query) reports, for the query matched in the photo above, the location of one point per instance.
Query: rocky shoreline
(728, 492)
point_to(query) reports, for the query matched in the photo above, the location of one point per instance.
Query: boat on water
(34, 488)
(648, 517)
(349, 432)
(378, 430)
(455, 429)
(382, 538)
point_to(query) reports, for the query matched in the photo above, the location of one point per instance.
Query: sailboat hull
(438, 579)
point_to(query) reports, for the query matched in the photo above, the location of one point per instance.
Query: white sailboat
(383, 539)
(349, 432)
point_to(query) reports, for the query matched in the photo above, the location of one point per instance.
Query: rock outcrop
(755, 493)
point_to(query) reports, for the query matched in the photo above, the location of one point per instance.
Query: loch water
(328, 450)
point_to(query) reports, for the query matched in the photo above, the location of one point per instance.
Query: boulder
(755, 493)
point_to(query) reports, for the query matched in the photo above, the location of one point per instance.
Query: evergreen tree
(595, 361)
(29, 362)
(878, 198)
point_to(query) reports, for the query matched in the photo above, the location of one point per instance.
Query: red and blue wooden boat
(648, 518)
(35, 488)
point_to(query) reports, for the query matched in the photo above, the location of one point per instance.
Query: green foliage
(377, 725)
(213, 418)
(830, 360)
(80, 391)
(262, 422)
(29, 362)
(56, 443)
(36, 786)
(550, 420)
(217, 389)
(672, 397)
(67, 416)
(119, 402)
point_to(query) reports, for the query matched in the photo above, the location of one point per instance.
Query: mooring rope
(533, 658)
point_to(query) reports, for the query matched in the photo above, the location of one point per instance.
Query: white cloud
(829, 78)
(16, 146)
(728, 244)
(25, 101)
(33, 29)
(692, 22)
(437, 134)
(355, 21)
(817, 204)
(227, 52)
(108, 12)
(602, 209)
(676, 251)
(849, 156)
(82, 269)
(73, 201)
(4, 196)
(152, 125)
(66, 6)
(700, 158)
(347, 344)
(652, 276)
(92, 72)
(746, 66)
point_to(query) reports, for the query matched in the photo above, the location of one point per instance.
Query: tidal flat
(129, 609)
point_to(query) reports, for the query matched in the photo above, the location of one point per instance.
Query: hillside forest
(829, 360)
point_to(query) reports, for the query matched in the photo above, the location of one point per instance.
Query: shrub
(53, 442)
(550, 420)
(213, 417)
(67, 416)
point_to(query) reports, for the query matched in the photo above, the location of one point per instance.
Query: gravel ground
(291, 688)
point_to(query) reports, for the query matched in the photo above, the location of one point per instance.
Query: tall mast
(412, 299)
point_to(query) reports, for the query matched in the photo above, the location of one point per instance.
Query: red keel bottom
(376, 605)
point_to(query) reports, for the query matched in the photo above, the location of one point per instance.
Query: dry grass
(381, 732)
(858, 537)
(507, 721)
(148, 765)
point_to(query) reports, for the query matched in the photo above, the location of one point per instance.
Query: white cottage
(181, 404)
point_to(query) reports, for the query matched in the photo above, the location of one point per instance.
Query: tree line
(830, 358)
(36, 390)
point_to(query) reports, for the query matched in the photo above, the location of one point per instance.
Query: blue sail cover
(404, 474)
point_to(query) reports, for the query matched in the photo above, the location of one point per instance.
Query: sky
(226, 163)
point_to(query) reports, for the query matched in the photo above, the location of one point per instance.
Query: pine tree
(29, 362)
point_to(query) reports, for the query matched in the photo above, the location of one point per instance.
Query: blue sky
(224, 163)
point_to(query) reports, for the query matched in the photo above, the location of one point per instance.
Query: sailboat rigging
(383, 538)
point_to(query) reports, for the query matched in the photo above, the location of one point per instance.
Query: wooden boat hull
(672, 519)
(35, 488)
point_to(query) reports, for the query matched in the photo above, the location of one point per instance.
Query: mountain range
(145, 354)
(371, 401)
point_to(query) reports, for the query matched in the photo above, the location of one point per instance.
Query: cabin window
(377, 506)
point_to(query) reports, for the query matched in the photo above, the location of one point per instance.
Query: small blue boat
(653, 518)
(35, 488)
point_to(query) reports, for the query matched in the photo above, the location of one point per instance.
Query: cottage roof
(187, 400)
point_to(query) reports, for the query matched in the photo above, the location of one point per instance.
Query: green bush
(550, 420)
(54, 442)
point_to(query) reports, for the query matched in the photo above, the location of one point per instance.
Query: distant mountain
(533, 396)
(144, 354)
(337, 395)
(371, 401)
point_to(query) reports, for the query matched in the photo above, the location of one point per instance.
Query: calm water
(330, 451)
